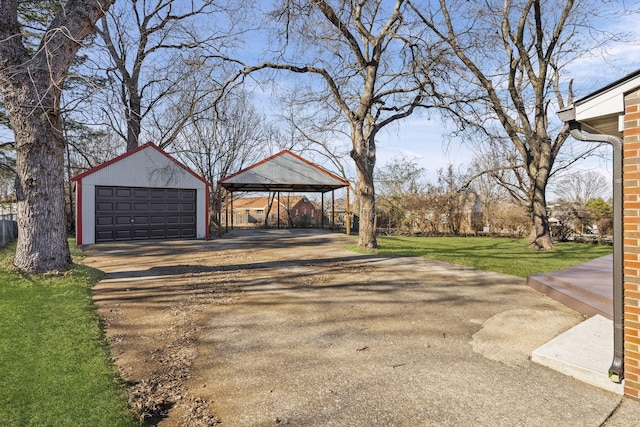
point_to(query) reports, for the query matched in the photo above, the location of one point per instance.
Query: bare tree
(511, 57)
(218, 142)
(370, 70)
(400, 182)
(156, 50)
(581, 187)
(30, 83)
(300, 131)
(455, 198)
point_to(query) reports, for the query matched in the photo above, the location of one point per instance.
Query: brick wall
(631, 175)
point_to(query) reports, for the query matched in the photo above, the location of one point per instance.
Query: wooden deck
(587, 288)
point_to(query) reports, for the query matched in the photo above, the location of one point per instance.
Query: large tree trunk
(42, 239)
(134, 119)
(365, 160)
(540, 232)
(30, 84)
(539, 171)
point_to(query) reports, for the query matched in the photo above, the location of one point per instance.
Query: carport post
(322, 210)
(231, 203)
(348, 220)
(229, 211)
(333, 209)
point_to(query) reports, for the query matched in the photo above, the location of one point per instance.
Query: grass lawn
(54, 361)
(509, 256)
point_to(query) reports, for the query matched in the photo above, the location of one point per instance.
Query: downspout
(616, 371)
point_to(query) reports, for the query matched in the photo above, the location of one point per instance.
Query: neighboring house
(297, 211)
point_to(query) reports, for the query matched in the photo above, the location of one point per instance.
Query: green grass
(55, 367)
(509, 256)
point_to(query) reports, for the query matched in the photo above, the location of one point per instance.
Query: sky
(425, 139)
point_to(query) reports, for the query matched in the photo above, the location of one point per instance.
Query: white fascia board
(606, 103)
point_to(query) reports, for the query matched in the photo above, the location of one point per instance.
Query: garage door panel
(173, 220)
(104, 192)
(172, 194)
(133, 213)
(140, 233)
(104, 206)
(158, 233)
(188, 194)
(188, 233)
(120, 234)
(173, 233)
(141, 207)
(173, 207)
(122, 220)
(157, 220)
(124, 192)
(123, 206)
(104, 235)
(104, 220)
(140, 220)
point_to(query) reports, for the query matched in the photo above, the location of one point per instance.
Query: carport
(285, 172)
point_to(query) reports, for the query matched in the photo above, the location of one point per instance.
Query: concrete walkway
(322, 336)
(584, 352)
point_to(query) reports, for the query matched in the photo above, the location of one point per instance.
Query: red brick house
(612, 115)
(295, 211)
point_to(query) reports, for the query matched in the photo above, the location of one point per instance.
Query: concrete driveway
(288, 328)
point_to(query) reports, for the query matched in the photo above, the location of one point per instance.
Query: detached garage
(142, 194)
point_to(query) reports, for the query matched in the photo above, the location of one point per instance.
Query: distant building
(294, 211)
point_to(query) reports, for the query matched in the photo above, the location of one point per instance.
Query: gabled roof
(251, 202)
(284, 171)
(148, 145)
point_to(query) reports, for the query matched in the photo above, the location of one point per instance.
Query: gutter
(616, 371)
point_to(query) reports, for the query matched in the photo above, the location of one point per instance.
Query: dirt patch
(153, 317)
(285, 328)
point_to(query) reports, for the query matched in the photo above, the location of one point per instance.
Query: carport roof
(284, 171)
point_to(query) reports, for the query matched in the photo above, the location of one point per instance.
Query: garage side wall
(146, 168)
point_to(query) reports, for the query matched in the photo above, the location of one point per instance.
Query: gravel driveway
(289, 328)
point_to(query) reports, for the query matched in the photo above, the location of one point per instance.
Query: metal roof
(284, 171)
